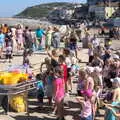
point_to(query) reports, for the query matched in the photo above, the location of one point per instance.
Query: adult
(73, 42)
(13, 30)
(5, 28)
(106, 56)
(54, 58)
(19, 37)
(97, 61)
(39, 34)
(8, 38)
(2, 41)
(34, 40)
(89, 85)
(111, 33)
(86, 38)
(56, 37)
(48, 38)
(28, 41)
(96, 43)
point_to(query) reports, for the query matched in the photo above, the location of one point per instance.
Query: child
(64, 68)
(40, 88)
(74, 68)
(98, 80)
(86, 113)
(90, 52)
(59, 93)
(81, 82)
(68, 62)
(114, 109)
(49, 87)
(54, 58)
(25, 58)
(46, 62)
(9, 50)
(9, 45)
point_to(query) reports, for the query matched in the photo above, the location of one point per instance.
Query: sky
(8, 8)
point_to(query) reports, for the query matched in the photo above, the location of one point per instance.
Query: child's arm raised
(49, 54)
(41, 66)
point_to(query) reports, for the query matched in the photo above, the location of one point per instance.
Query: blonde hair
(90, 45)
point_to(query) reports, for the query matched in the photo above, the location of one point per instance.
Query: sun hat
(116, 80)
(115, 56)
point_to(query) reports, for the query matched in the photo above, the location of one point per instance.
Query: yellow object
(109, 11)
(12, 78)
(110, 43)
(18, 103)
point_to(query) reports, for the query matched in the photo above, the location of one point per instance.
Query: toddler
(86, 113)
(9, 50)
(40, 88)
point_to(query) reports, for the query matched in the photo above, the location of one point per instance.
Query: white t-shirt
(68, 62)
(74, 60)
(96, 42)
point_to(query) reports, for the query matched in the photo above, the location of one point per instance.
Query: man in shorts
(73, 42)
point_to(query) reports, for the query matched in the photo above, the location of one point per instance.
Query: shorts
(8, 56)
(68, 72)
(87, 118)
(49, 90)
(39, 39)
(73, 46)
(79, 93)
(56, 44)
(91, 58)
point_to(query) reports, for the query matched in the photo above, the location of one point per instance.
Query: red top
(64, 68)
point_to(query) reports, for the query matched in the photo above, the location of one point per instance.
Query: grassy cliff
(42, 10)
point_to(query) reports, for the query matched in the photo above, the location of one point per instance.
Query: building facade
(103, 9)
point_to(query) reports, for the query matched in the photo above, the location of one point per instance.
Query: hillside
(43, 10)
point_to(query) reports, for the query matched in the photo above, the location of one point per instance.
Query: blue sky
(9, 8)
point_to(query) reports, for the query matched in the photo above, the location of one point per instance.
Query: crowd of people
(19, 38)
(98, 83)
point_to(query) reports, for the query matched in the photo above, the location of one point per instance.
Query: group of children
(55, 80)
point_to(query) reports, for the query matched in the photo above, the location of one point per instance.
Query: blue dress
(109, 114)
